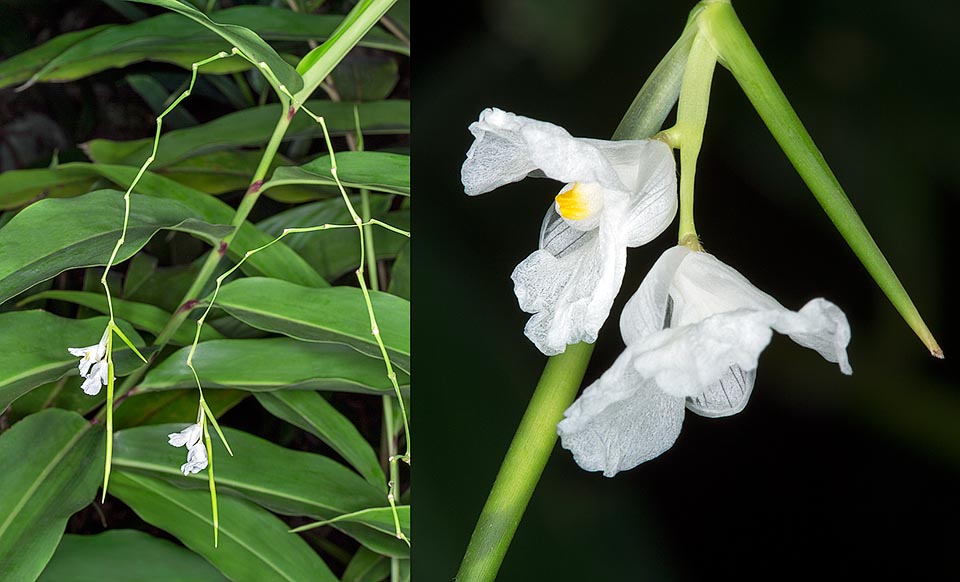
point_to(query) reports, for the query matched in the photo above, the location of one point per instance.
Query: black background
(822, 475)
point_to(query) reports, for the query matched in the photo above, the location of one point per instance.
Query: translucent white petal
(92, 385)
(507, 148)
(80, 352)
(703, 286)
(821, 326)
(686, 360)
(620, 421)
(570, 284)
(648, 170)
(188, 437)
(196, 460)
(726, 396)
(647, 311)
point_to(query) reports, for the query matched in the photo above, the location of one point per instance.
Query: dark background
(822, 475)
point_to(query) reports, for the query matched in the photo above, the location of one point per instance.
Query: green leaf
(367, 566)
(52, 236)
(400, 275)
(311, 412)
(334, 252)
(377, 171)
(158, 97)
(254, 365)
(33, 349)
(19, 68)
(139, 270)
(378, 518)
(737, 52)
(171, 406)
(334, 314)
(278, 261)
(282, 480)
(254, 545)
(53, 462)
(252, 127)
(141, 315)
(137, 555)
(249, 43)
(169, 38)
(366, 77)
(19, 187)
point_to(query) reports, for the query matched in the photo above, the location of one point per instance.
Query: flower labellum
(694, 332)
(190, 437)
(93, 365)
(617, 194)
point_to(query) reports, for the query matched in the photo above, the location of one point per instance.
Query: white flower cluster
(93, 365)
(694, 329)
(191, 437)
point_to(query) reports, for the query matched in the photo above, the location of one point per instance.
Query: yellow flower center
(572, 204)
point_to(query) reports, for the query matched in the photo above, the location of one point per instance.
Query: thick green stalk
(525, 460)
(738, 53)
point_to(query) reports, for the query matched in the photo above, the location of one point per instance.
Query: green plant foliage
(252, 364)
(311, 412)
(139, 556)
(254, 545)
(38, 495)
(33, 349)
(69, 243)
(336, 314)
(377, 171)
(196, 150)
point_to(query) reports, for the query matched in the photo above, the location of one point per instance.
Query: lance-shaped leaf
(253, 127)
(311, 412)
(283, 480)
(141, 315)
(334, 314)
(255, 365)
(254, 544)
(68, 179)
(142, 408)
(334, 252)
(138, 555)
(376, 171)
(367, 566)
(249, 43)
(54, 235)
(33, 349)
(737, 52)
(53, 466)
(169, 38)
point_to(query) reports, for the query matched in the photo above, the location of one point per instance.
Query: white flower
(196, 460)
(694, 332)
(618, 194)
(190, 437)
(93, 365)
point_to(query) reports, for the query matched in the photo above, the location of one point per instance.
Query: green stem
(524, 463)
(738, 53)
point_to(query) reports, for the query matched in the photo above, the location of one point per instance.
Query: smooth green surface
(252, 127)
(142, 316)
(249, 43)
(254, 544)
(335, 314)
(335, 252)
(400, 274)
(132, 554)
(54, 235)
(33, 349)
(172, 406)
(740, 56)
(52, 469)
(367, 566)
(376, 171)
(21, 67)
(523, 464)
(263, 365)
(282, 480)
(311, 412)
